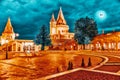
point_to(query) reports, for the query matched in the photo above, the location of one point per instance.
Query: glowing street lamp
(16, 34)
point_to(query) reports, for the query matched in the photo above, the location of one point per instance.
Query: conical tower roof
(53, 18)
(60, 19)
(8, 28)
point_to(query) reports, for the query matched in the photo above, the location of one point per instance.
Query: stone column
(21, 47)
(110, 45)
(16, 47)
(79, 46)
(94, 46)
(85, 46)
(88, 46)
(36, 48)
(107, 46)
(12, 48)
(116, 45)
(97, 46)
(101, 46)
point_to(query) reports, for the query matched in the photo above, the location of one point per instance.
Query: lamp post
(6, 49)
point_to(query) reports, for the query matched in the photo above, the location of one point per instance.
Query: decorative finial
(52, 15)
(9, 19)
(60, 8)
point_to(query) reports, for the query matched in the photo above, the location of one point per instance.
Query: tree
(58, 70)
(43, 37)
(89, 62)
(70, 66)
(85, 30)
(82, 64)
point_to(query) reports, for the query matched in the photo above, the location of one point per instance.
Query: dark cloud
(28, 16)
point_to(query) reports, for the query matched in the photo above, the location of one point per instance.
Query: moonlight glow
(101, 15)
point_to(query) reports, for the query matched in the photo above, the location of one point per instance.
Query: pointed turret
(8, 28)
(60, 19)
(52, 25)
(53, 18)
(8, 33)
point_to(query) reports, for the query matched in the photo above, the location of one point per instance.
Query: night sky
(27, 16)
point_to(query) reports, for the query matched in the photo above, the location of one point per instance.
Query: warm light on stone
(17, 45)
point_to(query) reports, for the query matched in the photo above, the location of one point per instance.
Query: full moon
(101, 15)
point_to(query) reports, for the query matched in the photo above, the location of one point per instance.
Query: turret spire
(8, 28)
(60, 18)
(53, 18)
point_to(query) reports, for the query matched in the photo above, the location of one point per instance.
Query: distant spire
(53, 18)
(8, 28)
(103, 31)
(60, 8)
(113, 30)
(60, 18)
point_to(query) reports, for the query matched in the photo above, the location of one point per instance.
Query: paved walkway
(100, 54)
(74, 70)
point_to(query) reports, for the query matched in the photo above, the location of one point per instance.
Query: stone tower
(59, 30)
(8, 33)
(52, 25)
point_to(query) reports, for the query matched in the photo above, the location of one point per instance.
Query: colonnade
(100, 46)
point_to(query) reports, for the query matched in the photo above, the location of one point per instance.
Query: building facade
(102, 42)
(9, 43)
(59, 31)
(8, 33)
(59, 28)
(109, 41)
